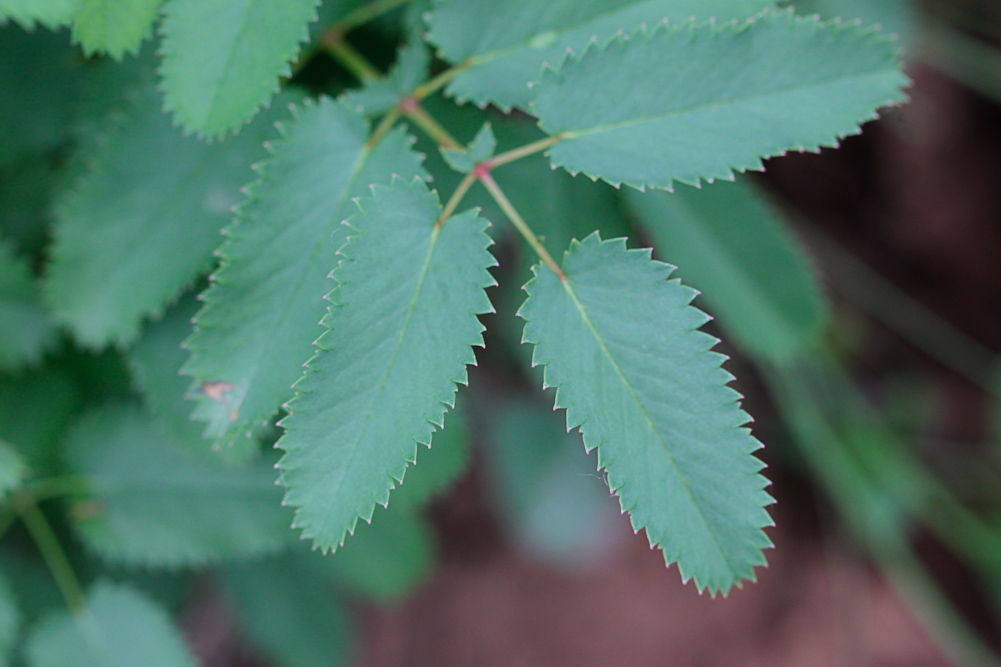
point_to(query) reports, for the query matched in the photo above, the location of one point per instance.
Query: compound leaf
(622, 346)
(505, 43)
(143, 222)
(115, 27)
(261, 314)
(381, 95)
(401, 330)
(26, 330)
(130, 630)
(753, 275)
(630, 114)
(222, 58)
(49, 13)
(157, 504)
(286, 613)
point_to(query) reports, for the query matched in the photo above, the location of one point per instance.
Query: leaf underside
(401, 329)
(732, 247)
(507, 42)
(776, 83)
(621, 345)
(143, 222)
(156, 504)
(222, 59)
(130, 630)
(262, 312)
(115, 27)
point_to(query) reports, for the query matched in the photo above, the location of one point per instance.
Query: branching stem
(413, 110)
(524, 151)
(440, 81)
(512, 213)
(456, 197)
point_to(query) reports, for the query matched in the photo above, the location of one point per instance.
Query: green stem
(512, 213)
(365, 13)
(456, 197)
(412, 109)
(524, 151)
(385, 125)
(440, 81)
(52, 552)
(346, 55)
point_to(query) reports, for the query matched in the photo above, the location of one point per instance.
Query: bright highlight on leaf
(222, 58)
(262, 312)
(622, 347)
(115, 27)
(729, 244)
(632, 114)
(123, 627)
(505, 43)
(401, 329)
(157, 504)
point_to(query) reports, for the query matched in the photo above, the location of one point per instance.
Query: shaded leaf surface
(26, 330)
(157, 504)
(144, 222)
(753, 275)
(777, 83)
(36, 434)
(549, 490)
(222, 58)
(12, 471)
(115, 27)
(287, 613)
(10, 622)
(35, 117)
(401, 329)
(622, 346)
(129, 629)
(508, 41)
(387, 559)
(262, 312)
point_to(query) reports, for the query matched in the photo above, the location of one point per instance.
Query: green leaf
(754, 276)
(505, 43)
(479, 150)
(156, 361)
(630, 114)
(557, 507)
(12, 471)
(122, 628)
(261, 314)
(439, 467)
(115, 27)
(144, 222)
(287, 614)
(49, 13)
(159, 505)
(26, 331)
(401, 330)
(622, 347)
(10, 622)
(222, 59)
(894, 16)
(381, 95)
(388, 558)
(35, 117)
(37, 434)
